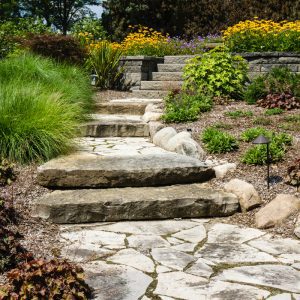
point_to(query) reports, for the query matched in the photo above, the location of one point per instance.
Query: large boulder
(162, 137)
(277, 210)
(247, 194)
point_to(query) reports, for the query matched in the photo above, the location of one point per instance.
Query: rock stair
(118, 174)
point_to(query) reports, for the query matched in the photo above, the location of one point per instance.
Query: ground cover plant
(263, 35)
(216, 73)
(239, 114)
(41, 106)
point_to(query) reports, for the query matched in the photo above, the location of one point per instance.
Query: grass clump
(217, 141)
(274, 111)
(252, 133)
(239, 114)
(41, 105)
(262, 121)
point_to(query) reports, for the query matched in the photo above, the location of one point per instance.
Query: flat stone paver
(184, 259)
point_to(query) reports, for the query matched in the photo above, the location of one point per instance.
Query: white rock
(199, 268)
(297, 228)
(116, 281)
(162, 137)
(162, 269)
(154, 127)
(181, 285)
(194, 235)
(296, 266)
(132, 258)
(248, 196)
(227, 233)
(296, 296)
(174, 241)
(171, 258)
(144, 242)
(222, 170)
(277, 210)
(275, 276)
(185, 247)
(284, 296)
(151, 116)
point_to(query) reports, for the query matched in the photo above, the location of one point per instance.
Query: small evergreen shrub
(185, 107)
(216, 73)
(217, 141)
(62, 48)
(273, 111)
(239, 114)
(40, 279)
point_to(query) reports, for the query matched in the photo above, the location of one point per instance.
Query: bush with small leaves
(7, 174)
(217, 141)
(40, 279)
(185, 107)
(283, 101)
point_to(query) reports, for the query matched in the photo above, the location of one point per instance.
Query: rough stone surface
(146, 242)
(284, 296)
(163, 136)
(277, 210)
(246, 193)
(199, 268)
(194, 235)
(297, 228)
(275, 276)
(93, 205)
(222, 170)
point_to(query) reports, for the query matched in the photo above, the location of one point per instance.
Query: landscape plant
(217, 73)
(274, 111)
(7, 173)
(217, 141)
(181, 106)
(42, 103)
(239, 114)
(263, 35)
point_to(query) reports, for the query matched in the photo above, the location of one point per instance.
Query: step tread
(142, 203)
(115, 119)
(161, 85)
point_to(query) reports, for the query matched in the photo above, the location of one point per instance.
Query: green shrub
(239, 114)
(217, 141)
(221, 125)
(40, 279)
(273, 111)
(60, 47)
(7, 174)
(252, 133)
(41, 106)
(104, 62)
(279, 80)
(185, 107)
(216, 73)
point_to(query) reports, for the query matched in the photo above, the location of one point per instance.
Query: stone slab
(124, 108)
(193, 235)
(161, 76)
(161, 85)
(149, 94)
(178, 201)
(177, 59)
(170, 67)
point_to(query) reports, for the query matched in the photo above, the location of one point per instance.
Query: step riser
(161, 85)
(170, 67)
(150, 94)
(127, 204)
(120, 109)
(167, 76)
(177, 59)
(115, 130)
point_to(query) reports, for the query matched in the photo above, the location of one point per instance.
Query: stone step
(177, 59)
(93, 170)
(144, 203)
(137, 100)
(115, 126)
(154, 94)
(168, 76)
(170, 67)
(161, 85)
(120, 108)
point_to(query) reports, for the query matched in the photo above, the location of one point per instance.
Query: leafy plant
(104, 61)
(60, 47)
(273, 111)
(282, 101)
(217, 73)
(8, 215)
(252, 133)
(217, 141)
(239, 114)
(262, 121)
(40, 279)
(293, 174)
(185, 107)
(221, 125)
(256, 90)
(41, 106)
(7, 174)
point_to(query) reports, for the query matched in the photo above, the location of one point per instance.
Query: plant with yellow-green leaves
(263, 35)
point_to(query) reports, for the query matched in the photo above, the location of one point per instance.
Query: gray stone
(170, 67)
(161, 85)
(222, 170)
(246, 193)
(221, 290)
(145, 242)
(174, 241)
(151, 116)
(277, 210)
(90, 170)
(199, 268)
(154, 127)
(167, 76)
(185, 247)
(171, 258)
(231, 234)
(163, 136)
(132, 258)
(233, 254)
(177, 59)
(275, 276)
(181, 285)
(149, 94)
(116, 282)
(296, 296)
(162, 269)
(177, 201)
(194, 235)
(284, 296)
(297, 228)
(296, 266)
